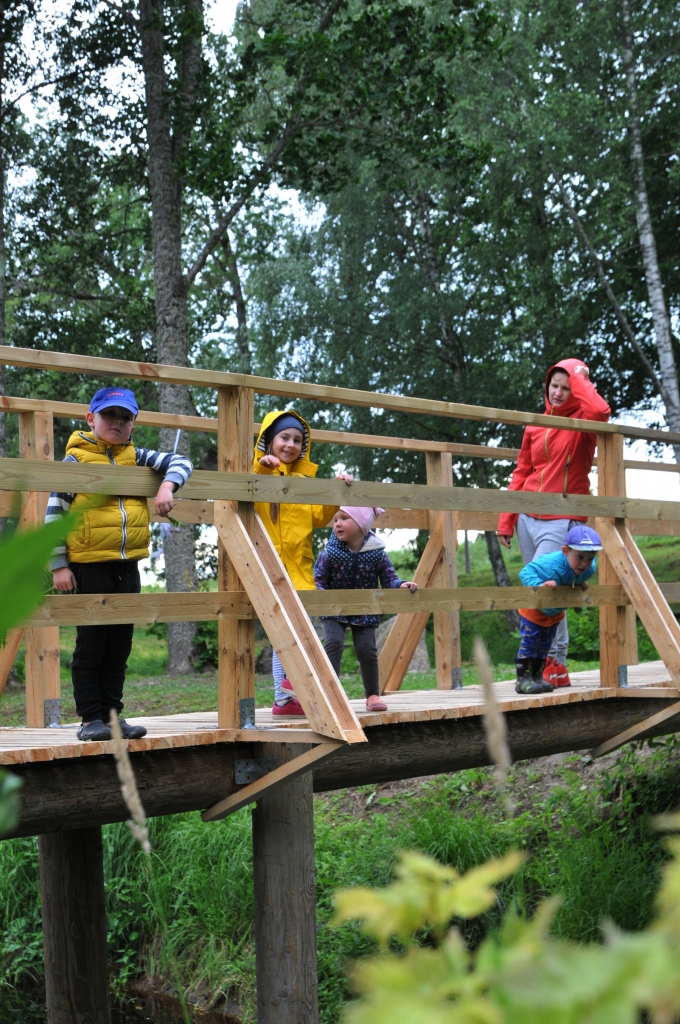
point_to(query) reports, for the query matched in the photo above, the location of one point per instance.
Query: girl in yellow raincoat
(282, 449)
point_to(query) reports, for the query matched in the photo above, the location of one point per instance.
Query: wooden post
(236, 637)
(36, 441)
(616, 642)
(446, 624)
(285, 904)
(74, 927)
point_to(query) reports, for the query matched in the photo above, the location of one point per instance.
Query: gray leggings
(541, 537)
(365, 648)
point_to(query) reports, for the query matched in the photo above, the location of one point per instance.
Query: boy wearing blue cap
(570, 567)
(102, 554)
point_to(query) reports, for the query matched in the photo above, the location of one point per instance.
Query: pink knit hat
(363, 517)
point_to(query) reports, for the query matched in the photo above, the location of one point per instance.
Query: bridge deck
(22, 745)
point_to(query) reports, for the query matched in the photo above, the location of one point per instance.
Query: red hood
(572, 404)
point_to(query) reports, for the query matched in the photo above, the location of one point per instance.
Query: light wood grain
(636, 732)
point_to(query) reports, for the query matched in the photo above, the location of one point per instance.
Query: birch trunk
(657, 302)
(172, 318)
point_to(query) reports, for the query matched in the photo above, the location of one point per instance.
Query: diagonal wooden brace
(288, 626)
(284, 773)
(406, 632)
(8, 654)
(636, 732)
(644, 592)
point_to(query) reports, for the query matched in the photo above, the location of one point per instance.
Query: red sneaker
(561, 677)
(292, 708)
(550, 671)
(287, 685)
(374, 703)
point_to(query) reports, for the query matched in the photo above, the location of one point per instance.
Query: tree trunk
(657, 302)
(500, 573)
(244, 364)
(172, 318)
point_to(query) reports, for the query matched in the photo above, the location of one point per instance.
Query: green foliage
(521, 975)
(23, 558)
(9, 801)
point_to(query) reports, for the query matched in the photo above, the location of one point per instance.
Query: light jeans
(541, 537)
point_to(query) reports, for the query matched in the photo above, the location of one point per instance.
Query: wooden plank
(132, 370)
(654, 527)
(284, 919)
(8, 654)
(446, 624)
(74, 926)
(291, 633)
(613, 622)
(656, 467)
(36, 443)
(406, 632)
(636, 732)
(269, 783)
(88, 609)
(236, 637)
(644, 593)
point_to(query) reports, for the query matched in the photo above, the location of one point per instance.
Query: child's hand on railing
(409, 585)
(550, 583)
(165, 500)
(63, 579)
(347, 477)
(584, 586)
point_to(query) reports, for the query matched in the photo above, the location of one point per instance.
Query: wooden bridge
(217, 763)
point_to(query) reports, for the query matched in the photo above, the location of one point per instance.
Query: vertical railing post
(446, 624)
(236, 637)
(36, 441)
(616, 643)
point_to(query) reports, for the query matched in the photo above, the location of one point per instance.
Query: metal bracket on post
(246, 712)
(457, 678)
(250, 769)
(623, 675)
(53, 713)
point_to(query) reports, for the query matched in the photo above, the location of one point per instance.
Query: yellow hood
(302, 466)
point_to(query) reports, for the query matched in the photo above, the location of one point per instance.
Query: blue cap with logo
(108, 397)
(582, 538)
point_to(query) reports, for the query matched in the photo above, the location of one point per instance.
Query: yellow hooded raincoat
(290, 526)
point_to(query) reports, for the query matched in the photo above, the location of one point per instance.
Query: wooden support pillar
(36, 441)
(236, 637)
(285, 902)
(618, 636)
(446, 624)
(74, 927)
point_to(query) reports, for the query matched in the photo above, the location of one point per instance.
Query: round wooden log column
(74, 927)
(285, 900)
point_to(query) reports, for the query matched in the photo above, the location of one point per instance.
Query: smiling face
(348, 530)
(558, 388)
(579, 560)
(287, 445)
(113, 425)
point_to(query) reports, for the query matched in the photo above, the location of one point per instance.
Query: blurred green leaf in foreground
(521, 975)
(23, 561)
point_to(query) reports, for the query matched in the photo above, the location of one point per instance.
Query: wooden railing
(212, 497)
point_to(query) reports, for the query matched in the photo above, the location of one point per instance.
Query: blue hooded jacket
(554, 566)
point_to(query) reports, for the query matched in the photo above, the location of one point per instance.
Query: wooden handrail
(87, 609)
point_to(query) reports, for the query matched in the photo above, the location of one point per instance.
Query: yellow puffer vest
(117, 528)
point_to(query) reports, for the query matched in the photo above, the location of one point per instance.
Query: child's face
(348, 530)
(113, 425)
(579, 560)
(558, 388)
(287, 445)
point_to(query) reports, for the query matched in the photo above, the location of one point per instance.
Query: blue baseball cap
(582, 538)
(108, 397)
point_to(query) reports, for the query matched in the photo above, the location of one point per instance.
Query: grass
(585, 830)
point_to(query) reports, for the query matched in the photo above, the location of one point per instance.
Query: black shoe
(537, 666)
(526, 684)
(131, 732)
(95, 730)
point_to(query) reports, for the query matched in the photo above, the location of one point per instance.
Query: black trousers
(101, 652)
(365, 649)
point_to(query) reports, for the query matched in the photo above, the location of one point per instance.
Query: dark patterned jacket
(340, 568)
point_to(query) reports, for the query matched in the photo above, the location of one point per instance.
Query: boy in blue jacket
(570, 567)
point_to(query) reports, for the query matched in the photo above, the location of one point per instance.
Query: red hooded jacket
(553, 460)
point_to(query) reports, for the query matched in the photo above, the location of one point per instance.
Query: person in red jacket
(557, 461)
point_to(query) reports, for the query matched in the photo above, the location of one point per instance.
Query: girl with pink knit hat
(356, 559)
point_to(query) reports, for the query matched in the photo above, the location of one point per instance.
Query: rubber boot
(526, 683)
(537, 666)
